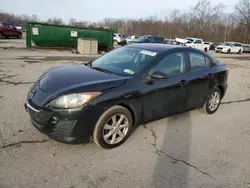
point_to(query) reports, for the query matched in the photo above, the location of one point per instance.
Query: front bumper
(65, 125)
(224, 50)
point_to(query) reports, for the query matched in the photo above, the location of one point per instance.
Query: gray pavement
(190, 150)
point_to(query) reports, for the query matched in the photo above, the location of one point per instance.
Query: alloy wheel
(214, 101)
(115, 129)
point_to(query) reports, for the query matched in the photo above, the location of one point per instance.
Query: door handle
(183, 83)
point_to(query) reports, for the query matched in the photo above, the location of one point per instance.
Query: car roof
(159, 48)
(193, 38)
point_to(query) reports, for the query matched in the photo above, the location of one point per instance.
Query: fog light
(55, 119)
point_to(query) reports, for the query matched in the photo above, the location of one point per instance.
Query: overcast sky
(95, 10)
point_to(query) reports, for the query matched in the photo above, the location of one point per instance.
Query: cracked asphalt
(189, 150)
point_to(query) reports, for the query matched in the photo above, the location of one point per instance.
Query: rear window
(197, 61)
(159, 39)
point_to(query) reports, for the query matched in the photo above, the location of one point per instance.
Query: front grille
(34, 105)
(62, 129)
(219, 48)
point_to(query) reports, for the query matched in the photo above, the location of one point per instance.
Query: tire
(205, 49)
(216, 52)
(116, 42)
(110, 120)
(229, 51)
(19, 36)
(207, 109)
(239, 52)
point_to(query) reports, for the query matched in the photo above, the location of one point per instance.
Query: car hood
(77, 78)
(222, 46)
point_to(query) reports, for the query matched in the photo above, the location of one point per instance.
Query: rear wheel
(19, 36)
(113, 127)
(212, 103)
(228, 51)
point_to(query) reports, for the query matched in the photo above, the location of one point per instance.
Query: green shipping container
(47, 35)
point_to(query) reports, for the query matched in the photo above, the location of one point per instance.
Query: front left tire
(113, 127)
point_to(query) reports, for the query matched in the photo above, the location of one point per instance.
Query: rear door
(168, 96)
(199, 79)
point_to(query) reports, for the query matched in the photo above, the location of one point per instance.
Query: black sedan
(126, 87)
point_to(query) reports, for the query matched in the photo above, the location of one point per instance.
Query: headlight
(73, 100)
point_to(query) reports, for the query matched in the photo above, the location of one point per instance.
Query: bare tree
(203, 14)
(243, 19)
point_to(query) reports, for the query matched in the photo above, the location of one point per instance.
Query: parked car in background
(171, 41)
(229, 47)
(213, 45)
(208, 44)
(147, 39)
(246, 47)
(20, 28)
(119, 39)
(129, 86)
(8, 30)
(197, 43)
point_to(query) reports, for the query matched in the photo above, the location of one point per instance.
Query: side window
(196, 42)
(12, 27)
(173, 64)
(197, 61)
(208, 62)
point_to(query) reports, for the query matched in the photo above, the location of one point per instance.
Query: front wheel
(228, 51)
(239, 52)
(113, 127)
(212, 103)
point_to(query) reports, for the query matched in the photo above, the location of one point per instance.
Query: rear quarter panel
(220, 77)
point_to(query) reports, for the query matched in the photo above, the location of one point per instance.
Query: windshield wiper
(102, 70)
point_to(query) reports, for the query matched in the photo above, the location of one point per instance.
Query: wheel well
(130, 110)
(221, 89)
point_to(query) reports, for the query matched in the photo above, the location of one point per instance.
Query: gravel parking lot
(185, 151)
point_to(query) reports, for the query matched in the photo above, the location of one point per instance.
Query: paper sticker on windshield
(129, 71)
(148, 53)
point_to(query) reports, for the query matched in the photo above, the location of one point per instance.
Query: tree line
(203, 20)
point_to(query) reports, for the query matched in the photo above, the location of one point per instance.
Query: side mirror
(158, 75)
(155, 76)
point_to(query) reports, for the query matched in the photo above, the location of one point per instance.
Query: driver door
(163, 97)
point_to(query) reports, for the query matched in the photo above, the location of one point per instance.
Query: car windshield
(143, 38)
(226, 44)
(124, 61)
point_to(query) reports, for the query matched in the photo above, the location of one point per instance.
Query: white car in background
(119, 39)
(230, 47)
(193, 43)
